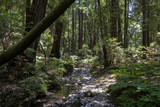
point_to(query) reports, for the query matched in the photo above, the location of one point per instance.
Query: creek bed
(79, 89)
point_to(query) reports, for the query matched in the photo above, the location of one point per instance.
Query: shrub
(136, 86)
(33, 86)
(11, 96)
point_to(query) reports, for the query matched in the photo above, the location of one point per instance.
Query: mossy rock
(69, 67)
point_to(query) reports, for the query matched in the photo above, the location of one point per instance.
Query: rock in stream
(88, 92)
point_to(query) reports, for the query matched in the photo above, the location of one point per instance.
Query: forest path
(88, 91)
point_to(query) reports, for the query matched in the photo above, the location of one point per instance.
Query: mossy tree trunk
(35, 32)
(38, 13)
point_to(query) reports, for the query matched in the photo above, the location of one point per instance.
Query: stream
(79, 89)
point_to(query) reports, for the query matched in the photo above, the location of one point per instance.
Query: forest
(79, 53)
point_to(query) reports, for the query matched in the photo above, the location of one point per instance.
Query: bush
(54, 70)
(85, 52)
(136, 86)
(55, 76)
(33, 86)
(11, 96)
(68, 63)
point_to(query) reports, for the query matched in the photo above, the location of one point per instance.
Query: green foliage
(54, 76)
(96, 66)
(43, 78)
(85, 52)
(115, 51)
(54, 70)
(11, 96)
(33, 86)
(136, 86)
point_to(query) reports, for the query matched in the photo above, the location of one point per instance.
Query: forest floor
(88, 86)
(89, 91)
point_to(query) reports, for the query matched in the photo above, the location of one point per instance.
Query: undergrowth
(138, 85)
(36, 83)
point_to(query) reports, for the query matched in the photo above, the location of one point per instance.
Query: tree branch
(35, 32)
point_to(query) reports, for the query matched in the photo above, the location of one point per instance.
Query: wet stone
(88, 92)
(59, 102)
(54, 105)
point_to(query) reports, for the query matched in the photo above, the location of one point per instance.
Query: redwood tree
(145, 25)
(35, 32)
(114, 18)
(38, 13)
(125, 24)
(107, 61)
(73, 31)
(57, 38)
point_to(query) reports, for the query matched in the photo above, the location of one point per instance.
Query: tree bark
(69, 39)
(39, 10)
(28, 16)
(85, 29)
(126, 25)
(145, 28)
(82, 36)
(80, 33)
(119, 24)
(114, 18)
(35, 32)
(107, 62)
(89, 26)
(73, 36)
(57, 40)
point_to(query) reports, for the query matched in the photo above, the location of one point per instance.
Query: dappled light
(79, 53)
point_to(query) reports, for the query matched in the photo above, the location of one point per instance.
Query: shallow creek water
(79, 89)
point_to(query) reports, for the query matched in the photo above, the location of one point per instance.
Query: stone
(88, 94)
(59, 102)
(54, 105)
(64, 99)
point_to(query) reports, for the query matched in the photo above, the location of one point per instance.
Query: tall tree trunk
(95, 38)
(94, 35)
(80, 33)
(105, 51)
(158, 15)
(126, 25)
(76, 29)
(85, 29)
(73, 31)
(28, 16)
(114, 18)
(145, 34)
(39, 10)
(119, 25)
(89, 25)
(148, 31)
(35, 32)
(82, 36)
(69, 39)
(158, 28)
(57, 40)
(136, 45)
